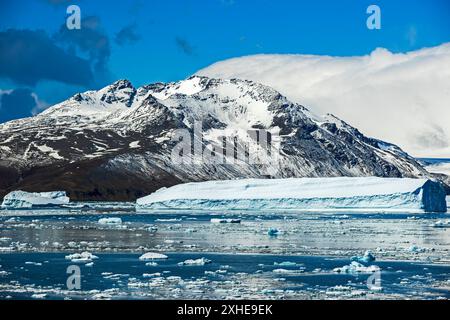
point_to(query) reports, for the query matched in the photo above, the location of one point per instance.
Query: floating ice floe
(285, 271)
(216, 220)
(356, 267)
(152, 256)
(84, 257)
(340, 193)
(170, 241)
(151, 275)
(286, 264)
(110, 221)
(34, 200)
(195, 262)
(3, 273)
(441, 224)
(281, 271)
(417, 249)
(102, 296)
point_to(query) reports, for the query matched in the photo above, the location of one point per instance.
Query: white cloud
(2, 92)
(40, 105)
(402, 98)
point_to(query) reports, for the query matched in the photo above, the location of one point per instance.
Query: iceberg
(356, 267)
(84, 257)
(315, 194)
(152, 256)
(32, 200)
(110, 221)
(195, 262)
(416, 249)
(366, 258)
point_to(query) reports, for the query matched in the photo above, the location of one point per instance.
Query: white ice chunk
(341, 193)
(417, 249)
(151, 275)
(356, 267)
(3, 273)
(286, 264)
(195, 262)
(110, 221)
(84, 257)
(216, 220)
(134, 144)
(29, 200)
(101, 296)
(152, 256)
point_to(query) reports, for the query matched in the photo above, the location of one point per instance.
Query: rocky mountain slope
(116, 143)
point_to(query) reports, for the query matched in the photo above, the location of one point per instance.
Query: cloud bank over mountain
(399, 97)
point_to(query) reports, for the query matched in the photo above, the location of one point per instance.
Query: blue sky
(167, 40)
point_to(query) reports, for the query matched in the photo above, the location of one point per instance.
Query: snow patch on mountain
(187, 87)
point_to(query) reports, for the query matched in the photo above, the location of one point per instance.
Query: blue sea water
(119, 268)
(298, 262)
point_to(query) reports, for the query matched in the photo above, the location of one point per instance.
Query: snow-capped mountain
(116, 143)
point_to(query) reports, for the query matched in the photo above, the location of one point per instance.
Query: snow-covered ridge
(302, 194)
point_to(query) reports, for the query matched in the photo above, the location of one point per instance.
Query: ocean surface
(264, 256)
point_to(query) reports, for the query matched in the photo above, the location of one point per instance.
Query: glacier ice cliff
(340, 193)
(31, 200)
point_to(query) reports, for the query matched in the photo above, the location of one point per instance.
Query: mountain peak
(125, 136)
(122, 83)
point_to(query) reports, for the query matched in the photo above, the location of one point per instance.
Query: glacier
(315, 194)
(31, 200)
